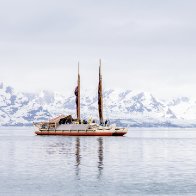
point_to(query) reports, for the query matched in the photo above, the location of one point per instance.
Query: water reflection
(81, 152)
(145, 162)
(100, 156)
(78, 157)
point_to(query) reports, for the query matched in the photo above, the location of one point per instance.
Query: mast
(100, 95)
(77, 94)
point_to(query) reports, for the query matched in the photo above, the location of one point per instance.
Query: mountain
(126, 107)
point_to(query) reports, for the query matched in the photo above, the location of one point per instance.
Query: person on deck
(106, 122)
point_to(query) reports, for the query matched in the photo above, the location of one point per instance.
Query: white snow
(132, 107)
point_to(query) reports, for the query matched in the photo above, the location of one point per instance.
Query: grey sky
(144, 44)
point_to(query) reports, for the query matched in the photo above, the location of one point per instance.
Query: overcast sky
(147, 45)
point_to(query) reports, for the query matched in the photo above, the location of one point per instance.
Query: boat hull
(81, 133)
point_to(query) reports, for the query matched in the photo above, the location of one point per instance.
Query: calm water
(145, 162)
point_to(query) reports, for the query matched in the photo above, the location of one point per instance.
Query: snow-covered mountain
(122, 107)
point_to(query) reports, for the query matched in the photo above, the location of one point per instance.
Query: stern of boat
(120, 132)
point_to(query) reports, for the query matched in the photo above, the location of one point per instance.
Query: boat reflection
(100, 157)
(76, 148)
(78, 156)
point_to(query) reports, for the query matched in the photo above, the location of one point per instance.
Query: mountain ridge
(127, 108)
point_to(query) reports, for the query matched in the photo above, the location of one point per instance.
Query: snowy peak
(140, 108)
(179, 100)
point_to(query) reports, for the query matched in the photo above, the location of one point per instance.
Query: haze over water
(144, 162)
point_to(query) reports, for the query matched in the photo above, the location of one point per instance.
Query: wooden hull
(81, 133)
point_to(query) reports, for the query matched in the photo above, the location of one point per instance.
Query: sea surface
(144, 162)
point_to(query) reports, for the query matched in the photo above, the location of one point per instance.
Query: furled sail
(77, 94)
(100, 95)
